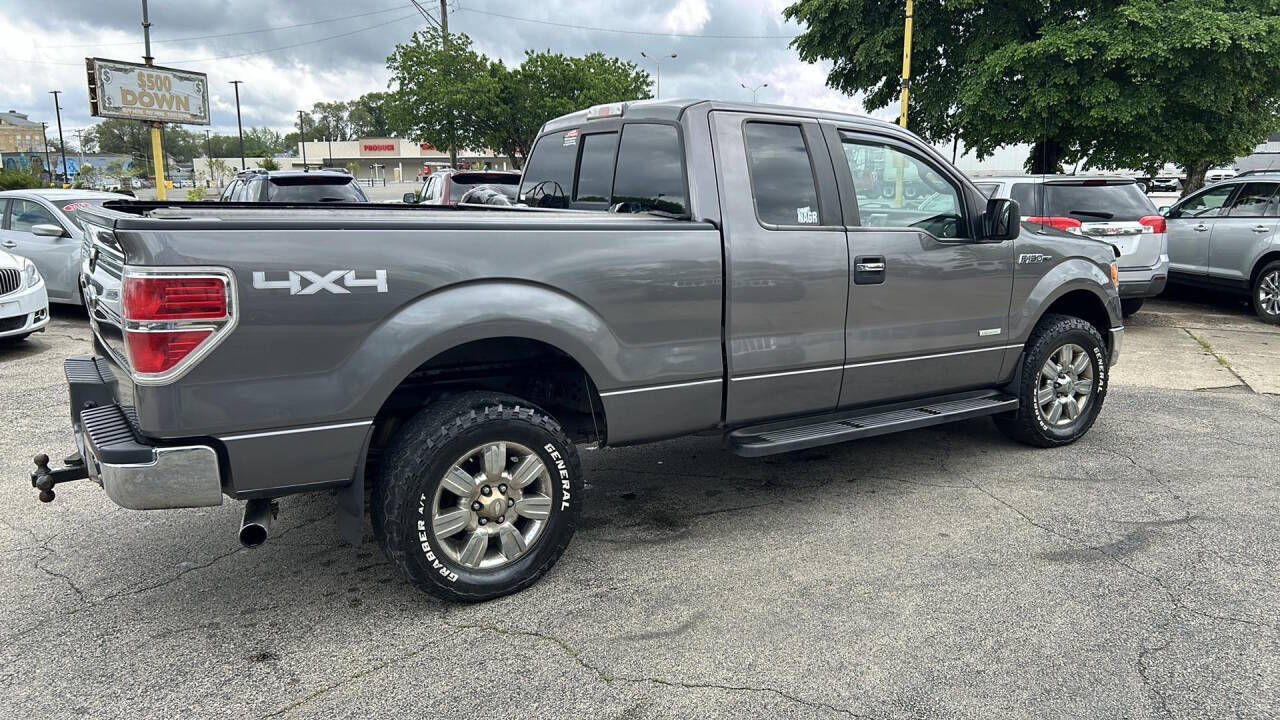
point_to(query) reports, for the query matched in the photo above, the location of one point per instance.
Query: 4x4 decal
(335, 281)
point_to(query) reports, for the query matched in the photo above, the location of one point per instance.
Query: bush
(195, 194)
(18, 180)
(268, 163)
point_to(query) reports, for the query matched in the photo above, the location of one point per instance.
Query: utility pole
(157, 142)
(331, 149)
(657, 91)
(208, 155)
(239, 127)
(62, 146)
(302, 133)
(44, 134)
(444, 35)
(80, 144)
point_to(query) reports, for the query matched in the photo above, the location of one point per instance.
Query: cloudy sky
(292, 53)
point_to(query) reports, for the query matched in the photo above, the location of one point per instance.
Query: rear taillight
(1065, 224)
(1154, 223)
(172, 318)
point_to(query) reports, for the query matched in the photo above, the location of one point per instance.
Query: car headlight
(30, 275)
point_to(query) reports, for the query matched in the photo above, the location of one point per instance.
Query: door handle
(869, 267)
(868, 270)
(1261, 229)
(1201, 228)
(9, 244)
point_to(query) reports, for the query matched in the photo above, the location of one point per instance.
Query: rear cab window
(637, 168)
(783, 184)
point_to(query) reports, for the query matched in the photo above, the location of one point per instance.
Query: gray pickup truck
(679, 267)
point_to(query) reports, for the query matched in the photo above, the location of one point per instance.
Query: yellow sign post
(157, 155)
(906, 92)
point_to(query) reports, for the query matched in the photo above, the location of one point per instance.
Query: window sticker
(571, 137)
(806, 216)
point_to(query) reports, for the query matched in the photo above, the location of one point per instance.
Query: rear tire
(1266, 294)
(1058, 410)
(478, 496)
(1129, 307)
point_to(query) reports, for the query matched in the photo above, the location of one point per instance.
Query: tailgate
(1139, 246)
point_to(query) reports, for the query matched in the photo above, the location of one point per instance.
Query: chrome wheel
(1269, 293)
(492, 506)
(1065, 385)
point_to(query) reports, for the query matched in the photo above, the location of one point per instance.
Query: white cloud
(688, 16)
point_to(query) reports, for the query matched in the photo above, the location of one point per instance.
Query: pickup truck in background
(749, 270)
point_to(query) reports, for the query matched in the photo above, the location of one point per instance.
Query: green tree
(439, 89)
(268, 163)
(263, 141)
(1123, 83)
(369, 116)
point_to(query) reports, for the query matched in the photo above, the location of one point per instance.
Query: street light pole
(657, 91)
(239, 127)
(302, 133)
(44, 135)
(62, 146)
(754, 90)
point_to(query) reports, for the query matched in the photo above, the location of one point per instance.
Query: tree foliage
(451, 96)
(1121, 83)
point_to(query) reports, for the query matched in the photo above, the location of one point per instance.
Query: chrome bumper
(176, 477)
(1117, 344)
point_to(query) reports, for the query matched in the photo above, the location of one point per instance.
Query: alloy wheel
(1269, 293)
(1065, 385)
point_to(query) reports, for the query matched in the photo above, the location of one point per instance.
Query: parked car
(1113, 209)
(448, 187)
(1227, 237)
(727, 282)
(293, 186)
(1165, 185)
(42, 225)
(24, 304)
(1217, 175)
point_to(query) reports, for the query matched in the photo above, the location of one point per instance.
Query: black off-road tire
(1255, 293)
(1131, 306)
(1027, 424)
(414, 465)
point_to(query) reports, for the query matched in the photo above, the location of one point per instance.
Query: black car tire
(1028, 424)
(1255, 293)
(414, 466)
(1131, 306)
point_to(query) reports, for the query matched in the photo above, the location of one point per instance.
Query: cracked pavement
(945, 573)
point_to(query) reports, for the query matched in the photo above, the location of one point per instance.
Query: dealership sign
(148, 93)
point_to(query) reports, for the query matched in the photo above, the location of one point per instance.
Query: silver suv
(1227, 237)
(1110, 208)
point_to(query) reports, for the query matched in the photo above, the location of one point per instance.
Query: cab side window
(230, 192)
(548, 176)
(898, 190)
(782, 180)
(26, 214)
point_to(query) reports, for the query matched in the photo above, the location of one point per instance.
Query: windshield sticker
(571, 137)
(806, 216)
(72, 207)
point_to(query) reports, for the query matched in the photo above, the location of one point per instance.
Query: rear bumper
(135, 473)
(1144, 282)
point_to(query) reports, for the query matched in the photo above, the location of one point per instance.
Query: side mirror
(1002, 220)
(1164, 210)
(410, 198)
(48, 230)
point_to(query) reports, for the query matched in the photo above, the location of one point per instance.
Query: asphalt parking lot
(944, 573)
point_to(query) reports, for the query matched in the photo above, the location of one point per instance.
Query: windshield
(314, 189)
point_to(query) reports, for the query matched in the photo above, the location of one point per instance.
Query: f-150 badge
(337, 282)
(1033, 258)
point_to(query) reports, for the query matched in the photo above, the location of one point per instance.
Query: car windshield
(314, 188)
(1084, 202)
(497, 180)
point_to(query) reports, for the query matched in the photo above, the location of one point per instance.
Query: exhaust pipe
(258, 514)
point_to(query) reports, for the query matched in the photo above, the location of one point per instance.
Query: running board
(789, 435)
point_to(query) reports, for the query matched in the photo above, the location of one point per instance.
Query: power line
(575, 26)
(233, 34)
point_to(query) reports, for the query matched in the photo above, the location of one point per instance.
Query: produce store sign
(141, 92)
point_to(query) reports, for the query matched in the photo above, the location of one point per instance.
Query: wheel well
(1086, 306)
(528, 369)
(1257, 267)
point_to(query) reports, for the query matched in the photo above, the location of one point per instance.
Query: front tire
(1062, 384)
(1266, 294)
(478, 496)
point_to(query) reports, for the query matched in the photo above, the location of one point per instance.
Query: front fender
(1070, 275)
